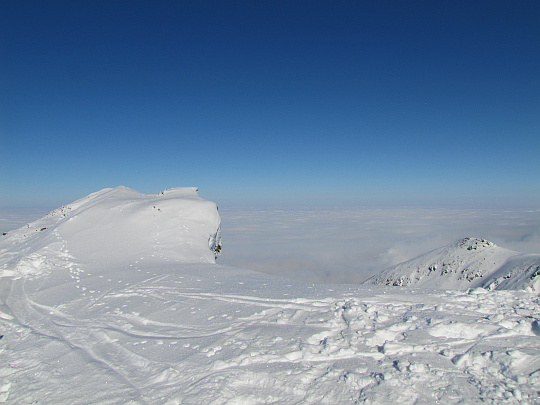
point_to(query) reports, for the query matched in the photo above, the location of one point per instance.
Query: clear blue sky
(282, 102)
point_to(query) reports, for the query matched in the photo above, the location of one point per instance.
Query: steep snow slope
(100, 307)
(121, 224)
(467, 263)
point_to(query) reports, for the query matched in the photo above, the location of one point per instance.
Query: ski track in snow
(146, 330)
(196, 334)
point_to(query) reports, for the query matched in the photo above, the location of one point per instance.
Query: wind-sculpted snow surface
(119, 224)
(467, 263)
(124, 326)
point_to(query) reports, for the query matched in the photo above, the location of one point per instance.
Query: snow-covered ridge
(466, 263)
(122, 226)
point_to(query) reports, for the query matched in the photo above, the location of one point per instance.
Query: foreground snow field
(116, 299)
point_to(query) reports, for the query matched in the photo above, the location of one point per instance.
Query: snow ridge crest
(117, 225)
(471, 243)
(467, 263)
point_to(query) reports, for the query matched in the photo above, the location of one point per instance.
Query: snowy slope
(467, 263)
(120, 302)
(120, 224)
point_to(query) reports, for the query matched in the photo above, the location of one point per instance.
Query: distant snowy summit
(467, 263)
(119, 226)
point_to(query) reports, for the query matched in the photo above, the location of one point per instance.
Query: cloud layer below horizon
(349, 245)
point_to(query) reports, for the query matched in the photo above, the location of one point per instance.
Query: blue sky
(272, 102)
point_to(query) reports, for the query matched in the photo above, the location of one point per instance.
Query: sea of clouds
(348, 245)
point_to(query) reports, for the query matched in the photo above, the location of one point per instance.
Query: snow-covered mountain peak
(467, 263)
(474, 244)
(124, 226)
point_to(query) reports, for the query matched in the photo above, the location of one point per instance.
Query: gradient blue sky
(272, 102)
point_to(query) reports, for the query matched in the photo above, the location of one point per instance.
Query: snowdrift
(120, 226)
(116, 298)
(467, 263)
